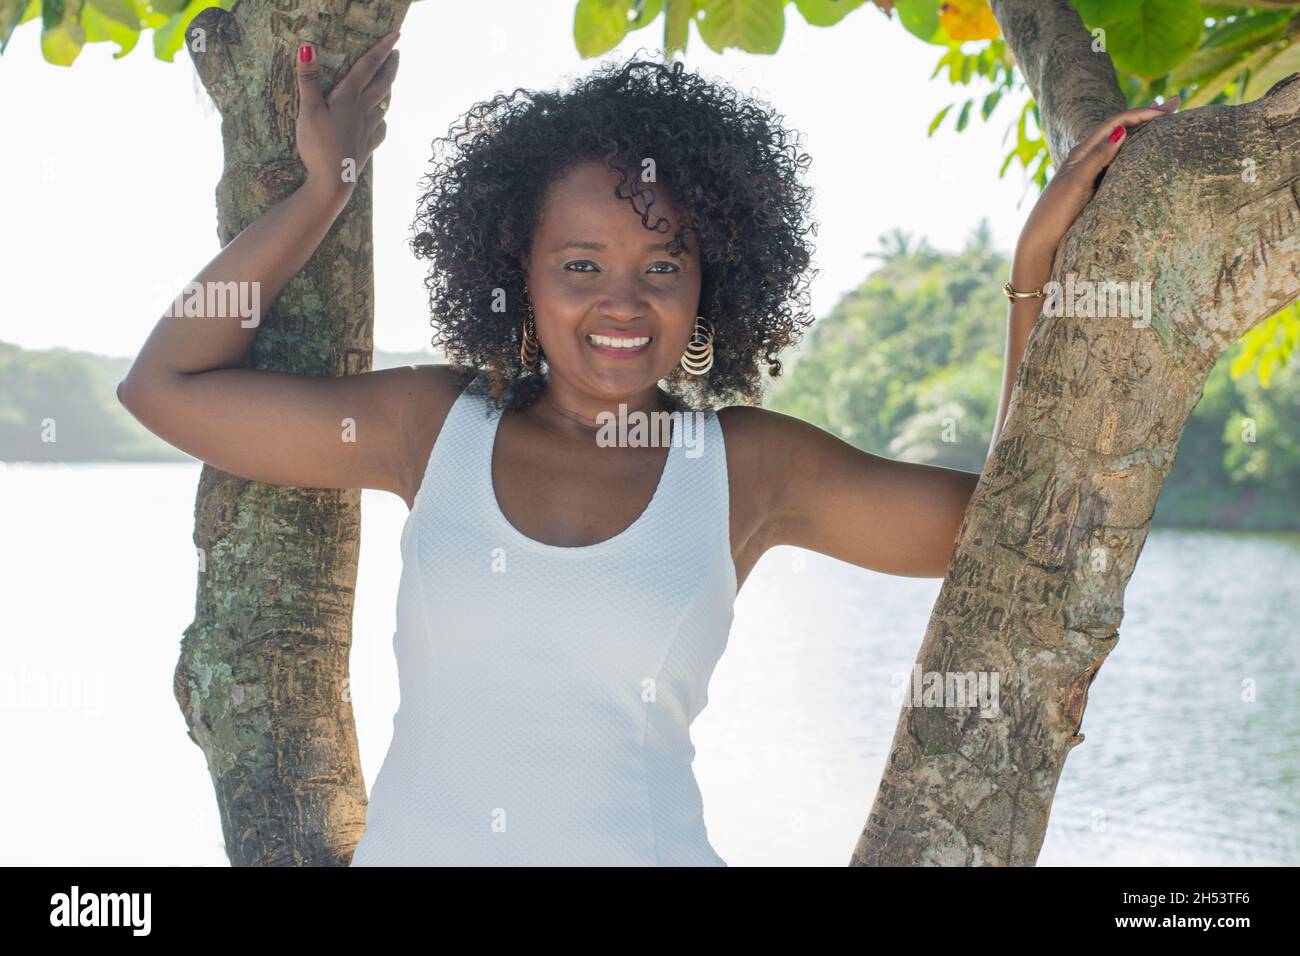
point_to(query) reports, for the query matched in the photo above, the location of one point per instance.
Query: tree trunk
(1203, 206)
(262, 677)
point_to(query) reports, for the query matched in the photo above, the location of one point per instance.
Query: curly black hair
(731, 167)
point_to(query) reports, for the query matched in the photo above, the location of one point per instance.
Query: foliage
(1207, 53)
(914, 350)
(754, 26)
(57, 406)
(909, 364)
(68, 25)
(1269, 345)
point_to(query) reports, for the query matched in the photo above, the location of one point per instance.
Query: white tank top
(547, 692)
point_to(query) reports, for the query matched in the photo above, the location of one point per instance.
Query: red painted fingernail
(1116, 134)
(304, 54)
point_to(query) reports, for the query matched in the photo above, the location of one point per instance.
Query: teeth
(618, 343)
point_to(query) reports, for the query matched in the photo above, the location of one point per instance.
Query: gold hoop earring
(698, 357)
(529, 347)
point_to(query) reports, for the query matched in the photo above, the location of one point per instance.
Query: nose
(623, 301)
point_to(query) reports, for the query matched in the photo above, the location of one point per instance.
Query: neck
(570, 411)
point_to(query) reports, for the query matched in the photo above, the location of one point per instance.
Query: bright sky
(112, 166)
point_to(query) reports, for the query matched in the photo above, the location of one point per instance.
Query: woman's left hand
(1071, 187)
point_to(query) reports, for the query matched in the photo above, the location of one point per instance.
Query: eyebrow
(601, 247)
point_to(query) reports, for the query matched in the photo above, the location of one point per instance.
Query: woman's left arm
(902, 517)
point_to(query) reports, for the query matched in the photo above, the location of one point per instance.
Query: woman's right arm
(188, 386)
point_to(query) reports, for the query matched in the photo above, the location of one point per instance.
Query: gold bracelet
(1013, 294)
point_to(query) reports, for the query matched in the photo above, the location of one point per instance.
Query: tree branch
(1074, 86)
(1198, 219)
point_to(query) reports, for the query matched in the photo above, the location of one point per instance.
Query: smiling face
(613, 309)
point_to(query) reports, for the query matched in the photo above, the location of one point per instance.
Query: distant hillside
(61, 405)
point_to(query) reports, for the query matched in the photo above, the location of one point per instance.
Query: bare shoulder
(756, 435)
(423, 396)
(743, 426)
(751, 422)
(755, 454)
(760, 443)
(773, 457)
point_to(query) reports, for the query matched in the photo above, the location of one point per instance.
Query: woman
(632, 250)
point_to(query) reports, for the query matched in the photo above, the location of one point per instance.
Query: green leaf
(600, 25)
(150, 17)
(1252, 343)
(1028, 148)
(118, 10)
(170, 37)
(952, 59)
(1005, 163)
(1267, 362)
(938, 118)
(1095, 13)
(1207, 91)
(1268, 346)
(1247, 30)
(1039, 175)
(645, 12)
(12, 13)
(1204, 64)
(990, 103)
(1240, 366)
(964, 116)
(1227, 45)
(943, 61)
(921, 18)
(1278, 67)
(67, 25)
(62, 36)
(755, 26)
(988, 61)
(1146, 37)
(1218, 10)
(826, 13)
(99, 28)
(956, 63)
(62, 45)
(677, 23)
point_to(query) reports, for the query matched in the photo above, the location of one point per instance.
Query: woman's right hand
(337, 134)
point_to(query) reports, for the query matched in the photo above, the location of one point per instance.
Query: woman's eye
(580, 265)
